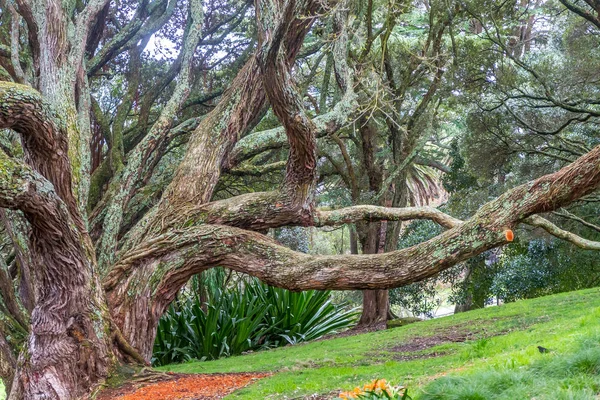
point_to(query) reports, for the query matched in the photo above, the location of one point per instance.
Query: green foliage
(459, 177)
(231, 323)
(294, 237)
(251, 316)
(542, 267)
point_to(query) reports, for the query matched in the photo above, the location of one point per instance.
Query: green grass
(498, 360)
(2, 392)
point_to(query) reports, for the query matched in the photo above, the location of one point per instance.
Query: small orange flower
(509, 235)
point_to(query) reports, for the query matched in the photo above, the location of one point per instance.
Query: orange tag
(509, 235)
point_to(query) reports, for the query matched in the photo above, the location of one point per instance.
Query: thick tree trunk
(375, 309)
(69, 348)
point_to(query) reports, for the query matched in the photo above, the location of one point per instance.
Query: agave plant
(246, 317)
(301, 316)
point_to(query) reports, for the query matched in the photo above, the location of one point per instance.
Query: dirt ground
(182, 387)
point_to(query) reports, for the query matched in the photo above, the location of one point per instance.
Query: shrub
(252, 316)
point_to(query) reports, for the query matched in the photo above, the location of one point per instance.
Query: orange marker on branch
(509, 235)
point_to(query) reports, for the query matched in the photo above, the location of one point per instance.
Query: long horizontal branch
(354, 214)
(203, 246)
(264, 210)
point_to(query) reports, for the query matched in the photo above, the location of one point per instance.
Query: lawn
(485, 354)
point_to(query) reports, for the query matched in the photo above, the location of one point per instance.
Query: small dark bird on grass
(543, 349)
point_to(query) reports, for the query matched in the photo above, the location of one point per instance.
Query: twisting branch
(241, 107)
(286, 103)
(44, 137)
(324, 124)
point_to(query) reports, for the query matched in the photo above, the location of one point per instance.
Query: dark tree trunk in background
(375, 302)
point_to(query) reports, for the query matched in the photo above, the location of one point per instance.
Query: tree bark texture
(78, 316)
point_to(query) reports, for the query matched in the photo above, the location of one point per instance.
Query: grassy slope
(499, 359)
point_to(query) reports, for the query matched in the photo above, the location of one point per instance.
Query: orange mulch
(188, 387)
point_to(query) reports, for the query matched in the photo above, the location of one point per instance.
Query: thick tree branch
(238, 111)
(44, 137)
(286, 103)
(22, 188)
(324, 124)
(368, 213)
(283, 267)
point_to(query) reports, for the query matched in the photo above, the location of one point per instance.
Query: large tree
(96, 257)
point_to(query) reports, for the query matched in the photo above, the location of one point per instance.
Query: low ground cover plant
(247, 317)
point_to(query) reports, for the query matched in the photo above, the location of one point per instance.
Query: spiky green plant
(249, 316)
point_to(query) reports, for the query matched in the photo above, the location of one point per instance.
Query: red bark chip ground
(187, 387)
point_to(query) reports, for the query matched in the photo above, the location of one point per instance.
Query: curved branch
(285, 101)
(483, 231)
(23, 110)
(554, 230)
(22, 188)
(568, 215)
(44, 137)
